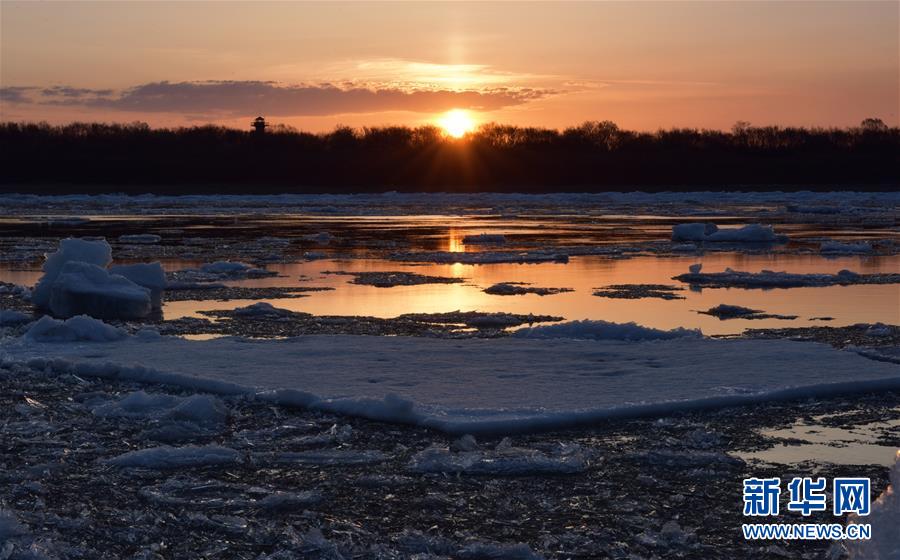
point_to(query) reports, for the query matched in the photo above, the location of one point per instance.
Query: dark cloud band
(244, 98)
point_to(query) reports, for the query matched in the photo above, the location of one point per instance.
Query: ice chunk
(140, 238)
(885, 521)
(166, 457)
(262, 310)
(80, 328)
(98, 253)
(148, 275)
(84, 288)
(693, 231)
(604, 330)
(751, 233)
(200, 409)
(9, 317)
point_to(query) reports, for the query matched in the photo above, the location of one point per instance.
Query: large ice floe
(710, 233)
(543, 380)
(76, 281)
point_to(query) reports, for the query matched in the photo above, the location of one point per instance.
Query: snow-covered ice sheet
(477, 385)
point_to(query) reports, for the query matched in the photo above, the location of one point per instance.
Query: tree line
(595, 156)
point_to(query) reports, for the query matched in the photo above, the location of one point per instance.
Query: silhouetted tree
(596, 155)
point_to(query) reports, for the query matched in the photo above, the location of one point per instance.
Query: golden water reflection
(847, 304)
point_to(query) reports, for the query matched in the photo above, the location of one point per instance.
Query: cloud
(73, 92)
(247, 98)
(15, 94)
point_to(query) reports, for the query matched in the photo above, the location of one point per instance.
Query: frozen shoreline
(822, 204)
(490, 386)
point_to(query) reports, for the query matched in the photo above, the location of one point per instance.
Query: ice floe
(710, 233)
(390, 279)
(522, 288)
(209, 274)
(604, 330)
(769, 279)
(202, 409)
(639, 291)
(723, 312)
(483, 257)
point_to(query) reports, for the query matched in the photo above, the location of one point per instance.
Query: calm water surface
(370, 238)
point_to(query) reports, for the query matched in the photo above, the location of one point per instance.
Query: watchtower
(259, 125)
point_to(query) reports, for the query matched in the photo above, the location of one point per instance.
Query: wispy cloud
(244, 98)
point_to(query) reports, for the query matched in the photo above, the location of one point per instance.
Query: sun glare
(457, 123)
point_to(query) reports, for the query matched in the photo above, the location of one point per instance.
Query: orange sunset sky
(644, 65)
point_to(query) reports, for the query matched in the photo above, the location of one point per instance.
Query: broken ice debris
(506, 461)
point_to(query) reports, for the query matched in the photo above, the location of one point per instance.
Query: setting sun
(457, 123)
